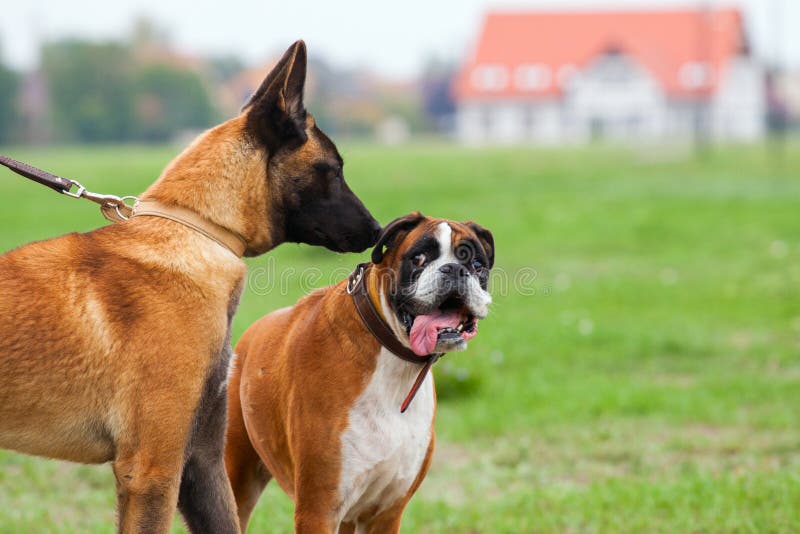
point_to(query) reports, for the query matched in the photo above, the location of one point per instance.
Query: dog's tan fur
(114, 344)
(108, 336)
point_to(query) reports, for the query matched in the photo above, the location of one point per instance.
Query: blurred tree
(90, 86)
(9, 85)
(147, 33)
(224, 68)
(169, 100)
(324, 87)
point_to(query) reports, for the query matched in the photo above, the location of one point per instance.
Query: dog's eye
(419, 260)
(476, 264)
(327, 171)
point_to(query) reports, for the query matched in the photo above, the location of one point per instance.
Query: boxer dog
(316, 391)
(115, 344)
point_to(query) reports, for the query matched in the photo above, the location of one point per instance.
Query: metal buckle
(128, 207)
(79, 193)
(355, 279)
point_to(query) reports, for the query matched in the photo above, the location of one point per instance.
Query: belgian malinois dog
(115, 344)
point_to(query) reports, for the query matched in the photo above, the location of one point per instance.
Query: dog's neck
(379, 353)
(346, 323)
(350, 329)
(381, 302)
(222, 177)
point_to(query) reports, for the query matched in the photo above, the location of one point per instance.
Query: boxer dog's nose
(456, 270)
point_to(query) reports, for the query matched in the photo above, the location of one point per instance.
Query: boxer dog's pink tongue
(425, 329)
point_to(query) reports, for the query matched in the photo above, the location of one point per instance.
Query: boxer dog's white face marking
(442, 290)
(432, 280)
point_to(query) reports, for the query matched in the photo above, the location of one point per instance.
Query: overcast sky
(391, 37)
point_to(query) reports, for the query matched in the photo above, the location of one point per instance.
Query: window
(532, 77)
(615, 68)
(489, 77)
(487, 114)
(695, 74)
(528, 119)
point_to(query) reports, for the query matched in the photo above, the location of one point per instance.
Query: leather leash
(52, 181)
(381, 331)
(117, 209)
(114, 208)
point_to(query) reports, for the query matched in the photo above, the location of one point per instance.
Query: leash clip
(114, 208)
(355, 279)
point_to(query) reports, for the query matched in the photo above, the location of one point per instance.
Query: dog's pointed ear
(275, 113)
(394, 230)
(486, 238)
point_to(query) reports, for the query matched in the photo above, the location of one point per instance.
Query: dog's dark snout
(376, 228)
(456, 270)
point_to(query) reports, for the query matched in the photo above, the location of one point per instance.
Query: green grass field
(640, 370)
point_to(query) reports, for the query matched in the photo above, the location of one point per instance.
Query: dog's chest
(382, 449)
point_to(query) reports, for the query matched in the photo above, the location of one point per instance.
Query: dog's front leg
(387, 522)
(317, 503)
(314, 521)
(151, 451)
(147, 488)
(206, 500)
(158, 419)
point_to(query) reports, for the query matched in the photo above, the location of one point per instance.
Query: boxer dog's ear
(395, 229)
(486, 238)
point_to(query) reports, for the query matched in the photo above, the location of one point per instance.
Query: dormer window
(489, 77)
(532, 77)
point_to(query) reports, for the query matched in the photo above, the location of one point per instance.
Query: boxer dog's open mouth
(445, 328)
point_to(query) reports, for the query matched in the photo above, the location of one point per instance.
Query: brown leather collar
(357, 288)
(228, 239)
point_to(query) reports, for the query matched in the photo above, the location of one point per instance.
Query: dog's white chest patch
(382, 449)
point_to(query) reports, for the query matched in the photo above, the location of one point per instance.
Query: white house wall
(614, 99)
(510, 122)
(738, 109)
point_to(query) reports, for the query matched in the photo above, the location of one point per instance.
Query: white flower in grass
(562, 281)
(669, 276)
(778, 249)
(497, 357)
(462, 374)
(585, 326)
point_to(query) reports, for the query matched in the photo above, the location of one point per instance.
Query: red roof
(661, 41)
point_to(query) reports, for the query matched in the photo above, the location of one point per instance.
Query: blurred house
(570, 77)
(787, 91)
